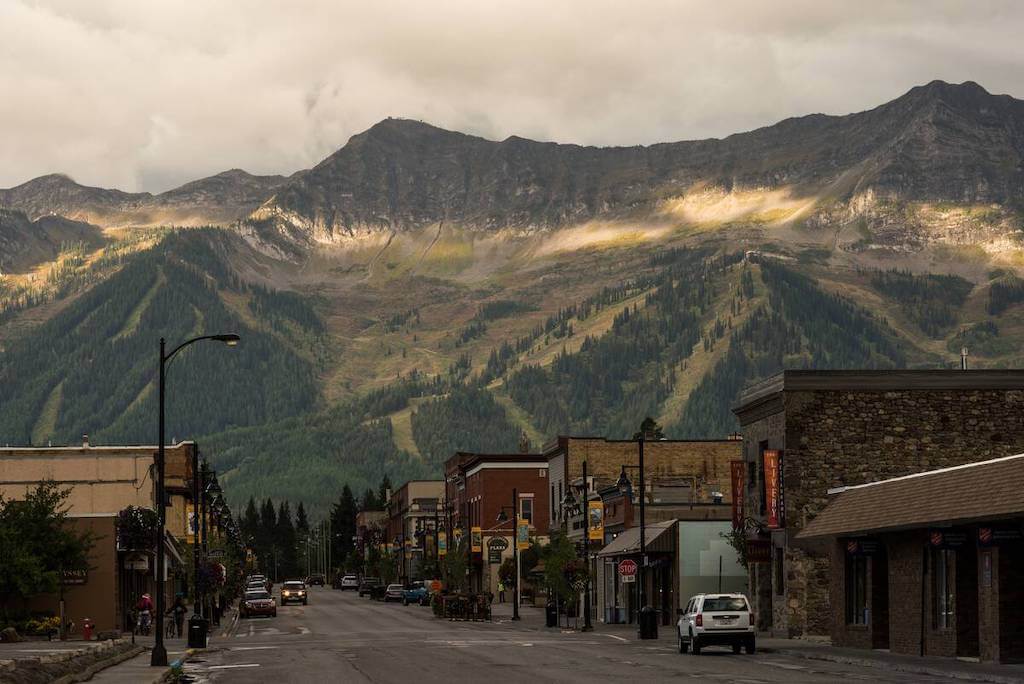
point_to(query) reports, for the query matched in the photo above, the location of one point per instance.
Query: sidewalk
(138, 670)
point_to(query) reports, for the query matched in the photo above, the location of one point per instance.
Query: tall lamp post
(159, 655)
(648, 625)
(571, 506)
(503, 517)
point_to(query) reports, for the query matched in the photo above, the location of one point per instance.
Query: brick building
(941, 573)
(818, 430)
(479, 487)
(413, 510)
(103, 480)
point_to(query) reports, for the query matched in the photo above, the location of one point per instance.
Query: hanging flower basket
(136, 529)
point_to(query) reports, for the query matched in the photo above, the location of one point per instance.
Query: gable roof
(982, 491)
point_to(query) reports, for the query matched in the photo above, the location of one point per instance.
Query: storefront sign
(136, 561)
(627, 570)
(947, 540)
(74, 577)
(522, 534)
(738, 472)
(495, 547)
(773, 488)
(595, 520)
(442, 543)
(862, 547)
(990, 536)
(759, 551)
(476, 536)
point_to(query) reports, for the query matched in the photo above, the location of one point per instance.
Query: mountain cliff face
(25, 243)
(938, 142)
(219, 199)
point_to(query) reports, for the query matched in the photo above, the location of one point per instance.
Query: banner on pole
(191, 524)
(738, 471)
(595, 520)
(522, 534)
(773, 488)
(476, 537)
(442, 543)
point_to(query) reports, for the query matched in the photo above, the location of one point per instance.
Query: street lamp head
(230, 339)
(624, 485)
(569, 502)
(502, 516)
(214, 486)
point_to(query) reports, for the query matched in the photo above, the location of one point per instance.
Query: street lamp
(571, 506)
(503, 517)
(648, 626)
(159, 655)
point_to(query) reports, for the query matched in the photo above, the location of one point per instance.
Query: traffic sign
(627, 570)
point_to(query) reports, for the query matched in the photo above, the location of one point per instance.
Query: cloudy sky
(147, 95)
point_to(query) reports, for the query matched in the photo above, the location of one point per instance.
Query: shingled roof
(982, 491)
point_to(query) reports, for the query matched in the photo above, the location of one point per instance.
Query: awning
(659, 540)
(983, 491)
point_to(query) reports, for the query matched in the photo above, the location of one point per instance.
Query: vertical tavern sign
(595, 520)
(738, 471)
(773, 488)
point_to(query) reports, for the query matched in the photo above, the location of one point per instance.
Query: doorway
(966, 612)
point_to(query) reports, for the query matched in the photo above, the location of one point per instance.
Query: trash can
(198, 628)
(551, 614)
(648, 622)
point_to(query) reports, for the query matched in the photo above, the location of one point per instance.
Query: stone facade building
(412, 511)
(833, 429)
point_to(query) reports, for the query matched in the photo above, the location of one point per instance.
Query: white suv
(716, 620)
(350, 582)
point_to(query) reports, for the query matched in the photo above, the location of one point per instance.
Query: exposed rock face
(938, 142)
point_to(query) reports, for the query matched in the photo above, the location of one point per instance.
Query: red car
(257, 603)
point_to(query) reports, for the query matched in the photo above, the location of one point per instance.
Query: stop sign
(627, 568)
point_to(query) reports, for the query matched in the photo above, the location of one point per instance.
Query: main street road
(340, 637)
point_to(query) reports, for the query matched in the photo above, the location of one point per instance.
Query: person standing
(178, 611)
(501, 591)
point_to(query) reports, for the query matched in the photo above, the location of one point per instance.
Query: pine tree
(343, 524)
(370, 501)
(384, 492)
(250, 522)
(285, 541)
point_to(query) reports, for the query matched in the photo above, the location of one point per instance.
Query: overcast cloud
(145, 95)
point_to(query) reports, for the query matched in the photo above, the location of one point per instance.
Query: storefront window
(856, 590)
(526, 510)
(942, 612)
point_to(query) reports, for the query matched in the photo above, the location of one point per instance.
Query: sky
(149, 95)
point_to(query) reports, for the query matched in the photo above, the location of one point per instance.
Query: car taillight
(699, 620)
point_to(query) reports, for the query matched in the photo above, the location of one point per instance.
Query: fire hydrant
(87, 628)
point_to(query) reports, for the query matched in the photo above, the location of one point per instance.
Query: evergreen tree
(649, 429)
(250, 522)
(370, 501)
(343, 524)
(285, 541)
(384, 491)
(301, 522)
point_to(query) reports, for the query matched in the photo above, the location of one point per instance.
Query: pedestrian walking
(178, 611)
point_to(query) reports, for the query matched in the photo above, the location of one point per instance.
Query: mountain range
(422, 290)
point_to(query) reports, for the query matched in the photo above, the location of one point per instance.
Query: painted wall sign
(773, 488)
(738, 472)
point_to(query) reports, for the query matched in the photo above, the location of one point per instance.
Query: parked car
(416, 592)
(294, 591)
(716, 620)
(349, 582)
(257, 603)
(394, 592)
(367, 585)
(317, 580)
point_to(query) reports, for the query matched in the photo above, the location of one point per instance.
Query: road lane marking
(304, 630)
(231, 667)
(252, 648)
(612, 636)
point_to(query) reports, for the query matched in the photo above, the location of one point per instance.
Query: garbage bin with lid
(648, 622)
(551, 614)
(198, 629)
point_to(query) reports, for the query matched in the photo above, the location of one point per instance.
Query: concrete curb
(89, 672)
(166, 675)
(907, 668)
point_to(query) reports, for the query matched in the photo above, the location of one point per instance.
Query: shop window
(779, 560)
(526, 510)
(943, 604)
(856, 590)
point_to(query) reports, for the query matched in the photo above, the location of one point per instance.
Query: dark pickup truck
(369, 584)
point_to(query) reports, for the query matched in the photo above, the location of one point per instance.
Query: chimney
(85, 441)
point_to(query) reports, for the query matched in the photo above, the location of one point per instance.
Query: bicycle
(170, 630)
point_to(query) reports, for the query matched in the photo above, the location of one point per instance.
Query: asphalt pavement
(340, 637)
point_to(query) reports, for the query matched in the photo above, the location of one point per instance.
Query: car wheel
(694, 645)
(683, 646)
(405, 602)
(305, 603)
(751, 648)
(736, 648)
